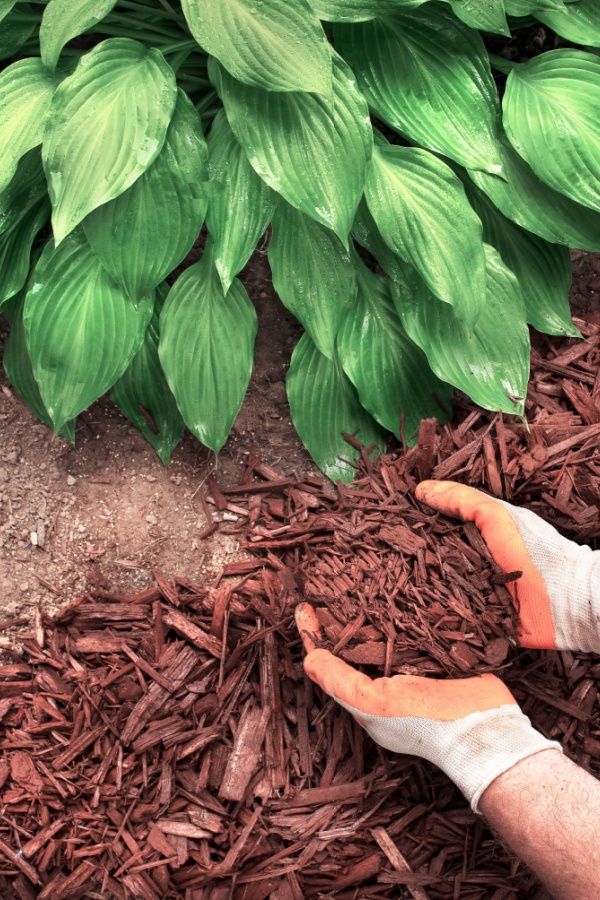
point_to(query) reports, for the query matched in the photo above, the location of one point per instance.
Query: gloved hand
(471, 728)
(558, 596)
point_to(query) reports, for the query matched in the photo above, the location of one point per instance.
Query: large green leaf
(542, 269)
(26, 89)
(367, 234)
(312, 273)
(143, 394)
(240, 208)
(428, 76)
(108, 122)
(82, 332)
(313, 151)
(5, 7)
(391, 374)
(422, 212)
(206, 349)
(271, 44)
(66, 19)
(552, 118)
(525, 199)
(489, 362)
(323, 404)
(484, 15)
(19, 370)
(142, 235)
(527, 7)
(24, 210)
(26, 188)
(359, 10)
(14, 33)
(578, 22)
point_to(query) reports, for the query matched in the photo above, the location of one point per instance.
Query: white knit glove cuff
(473, 751)
(572, 576)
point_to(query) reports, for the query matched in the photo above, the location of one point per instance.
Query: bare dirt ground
(109, 504)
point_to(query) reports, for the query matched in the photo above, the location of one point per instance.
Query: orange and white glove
(472, 728)
(558, 596)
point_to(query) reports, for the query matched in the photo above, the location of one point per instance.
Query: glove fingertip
(316, 665)
(431, 492)
(308, 626)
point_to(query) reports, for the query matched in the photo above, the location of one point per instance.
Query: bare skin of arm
(547, 810)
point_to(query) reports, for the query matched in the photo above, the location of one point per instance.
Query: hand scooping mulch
(399, 587)
(168, 744)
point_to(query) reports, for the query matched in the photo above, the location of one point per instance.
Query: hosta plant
(420, 194)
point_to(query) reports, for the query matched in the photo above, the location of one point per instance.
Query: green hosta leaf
(484, 15)
(312, 273)
(552, 118)
(522, 197)
(17, 365)
(82, 332)
(359, 10)
(144, 395)
(421, 210)
(14, 34)
(26, 188)
(271, 44)
(206, 349)
(26, 89)
(312, 151)
(391, 374)
(367, 234)
(489, 362)
(542, 269)
(323, 404)
(578, 22)
(5, 7)
(142, 235)
(527, 7)
(240, 210)
(108, 123)
(516, 22)
(428, 76)
(66, 19)
(24, 210)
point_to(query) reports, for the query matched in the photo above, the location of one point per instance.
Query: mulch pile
(168, 744)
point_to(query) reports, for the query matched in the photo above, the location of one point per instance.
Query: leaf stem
(115, 30)
(29, 16)
(179, 46)
(167, 6)
(178, 57)
(502, 64)
(131, 23)
(155, 38)
(146, 8)
(194, 82)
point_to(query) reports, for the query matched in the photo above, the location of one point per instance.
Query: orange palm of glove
(500, 532)
(471, 728)
(402, 695)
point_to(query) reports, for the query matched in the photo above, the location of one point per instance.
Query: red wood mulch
(168, 745)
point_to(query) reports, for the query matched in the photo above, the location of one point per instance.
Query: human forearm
(546, 809)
